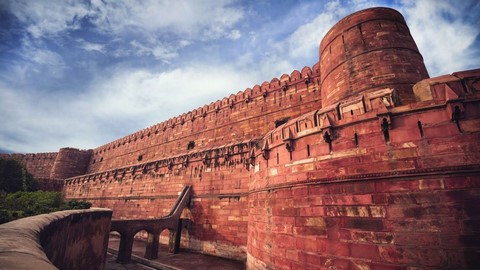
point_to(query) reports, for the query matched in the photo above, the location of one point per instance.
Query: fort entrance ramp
(129, 227)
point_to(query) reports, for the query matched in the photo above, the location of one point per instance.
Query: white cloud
(48, 17)
(45, 57)
(234, 34)
(142, 22)
(155, 96)
(90, 46)
(440, 29)
(306, 39)
(38, 60)
(131, 99)
(161, 51)
(441, 33)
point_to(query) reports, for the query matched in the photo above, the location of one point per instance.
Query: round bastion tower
(371, 49)
(70, 162)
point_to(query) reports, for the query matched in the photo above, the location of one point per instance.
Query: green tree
(14, 176)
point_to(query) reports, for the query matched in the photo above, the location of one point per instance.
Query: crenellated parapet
(38, 164)
(449, 93)
(217, 123)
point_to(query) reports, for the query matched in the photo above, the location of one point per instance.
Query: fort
(359, 162)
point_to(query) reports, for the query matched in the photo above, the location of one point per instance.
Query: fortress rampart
(360, 162)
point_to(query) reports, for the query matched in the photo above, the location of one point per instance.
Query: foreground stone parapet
(72, 239)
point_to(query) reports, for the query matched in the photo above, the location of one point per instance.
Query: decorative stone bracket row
(209, 157)
(378, 105)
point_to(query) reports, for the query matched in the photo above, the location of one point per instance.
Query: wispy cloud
(83, 73)
(443, 33)
(48, 18)
(90, 46)
(137, 97)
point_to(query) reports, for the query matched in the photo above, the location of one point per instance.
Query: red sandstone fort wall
(240, 117)
(368, 50)
(375, 168)
(40, 164)
(366, 201)
(50, 169)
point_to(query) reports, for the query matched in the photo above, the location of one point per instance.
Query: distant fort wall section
(40, 164)
(50, 169)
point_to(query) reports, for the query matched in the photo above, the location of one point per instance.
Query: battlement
(232, 103)
(39, 164)
(248, 114)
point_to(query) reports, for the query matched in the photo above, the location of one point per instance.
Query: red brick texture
(370, 49)
(357, 163)
(40, 164)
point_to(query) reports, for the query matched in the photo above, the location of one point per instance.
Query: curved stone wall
(369, 50)
(70, 162)
(385, 188)
(73, 239)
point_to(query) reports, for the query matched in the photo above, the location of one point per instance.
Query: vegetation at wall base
(23, 204)
(20, 198)
(14, 176)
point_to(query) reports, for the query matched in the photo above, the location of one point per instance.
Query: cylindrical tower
(70, 162)
(369, 50)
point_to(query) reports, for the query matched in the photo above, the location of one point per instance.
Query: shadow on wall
(46, 242)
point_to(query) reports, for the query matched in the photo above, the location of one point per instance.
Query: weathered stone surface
(73, 239)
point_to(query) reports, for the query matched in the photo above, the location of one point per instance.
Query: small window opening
(280, 122)
(420, 128)
(355, 136)
(308, 150)
(140, 158)
(191, 145)
(351, 112)
(385, 128)
(456, 115)
(328, 139)
(278, 158)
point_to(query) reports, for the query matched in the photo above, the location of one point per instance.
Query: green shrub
(78, 204)
(22, 204)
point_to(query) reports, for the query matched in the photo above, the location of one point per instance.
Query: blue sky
(84, 73)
